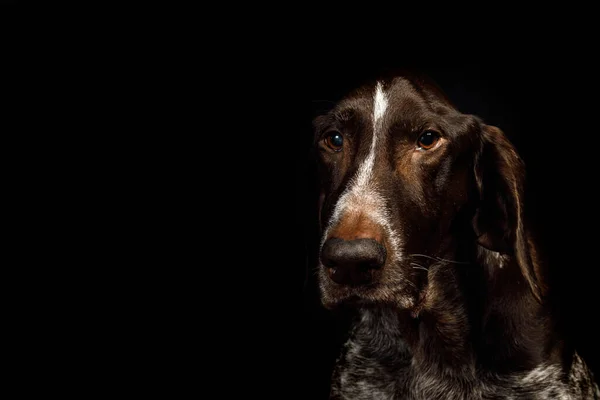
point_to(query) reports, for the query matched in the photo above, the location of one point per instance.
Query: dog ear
(498, 222)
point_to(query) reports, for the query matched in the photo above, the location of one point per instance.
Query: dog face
(402, 174)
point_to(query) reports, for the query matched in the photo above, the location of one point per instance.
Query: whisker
(423, 255)
(452, 261)
(440, 259)
(418, 266)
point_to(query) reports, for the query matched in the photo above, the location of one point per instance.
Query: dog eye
(335, 141)
(428, 140)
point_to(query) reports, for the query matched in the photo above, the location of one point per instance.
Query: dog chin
(357, 299)
(354, 301)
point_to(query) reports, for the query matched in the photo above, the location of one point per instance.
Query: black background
(547, 106)
(222, 285)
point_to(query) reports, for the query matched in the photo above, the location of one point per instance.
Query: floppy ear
(498, 222)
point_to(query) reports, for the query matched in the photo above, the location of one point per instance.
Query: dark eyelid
(429, 128)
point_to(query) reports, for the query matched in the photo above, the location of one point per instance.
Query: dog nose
(351, 262)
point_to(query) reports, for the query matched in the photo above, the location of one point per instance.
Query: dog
(423, 233)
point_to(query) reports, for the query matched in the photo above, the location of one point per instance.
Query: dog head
(405, 177)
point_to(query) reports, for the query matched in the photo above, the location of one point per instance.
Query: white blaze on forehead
(380, 103)
(361, 195)
(379, 106)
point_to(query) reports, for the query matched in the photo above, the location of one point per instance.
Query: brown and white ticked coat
(423, 233)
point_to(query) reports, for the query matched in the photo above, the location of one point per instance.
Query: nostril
(339, 275)
(332, 272)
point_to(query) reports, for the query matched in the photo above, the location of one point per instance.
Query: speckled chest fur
(377, 364)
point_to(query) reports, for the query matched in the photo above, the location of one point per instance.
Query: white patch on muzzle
(361, 195)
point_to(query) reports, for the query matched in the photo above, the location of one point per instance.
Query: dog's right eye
(334, 140)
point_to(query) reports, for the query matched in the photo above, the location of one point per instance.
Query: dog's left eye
(428, 140)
